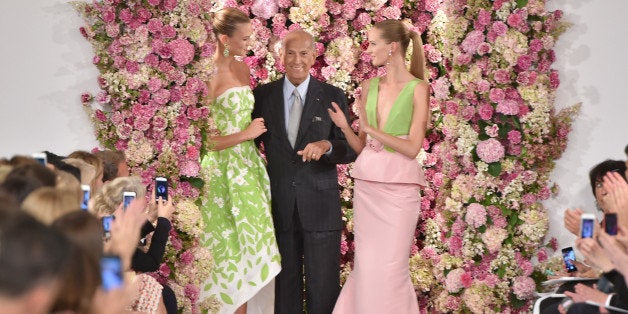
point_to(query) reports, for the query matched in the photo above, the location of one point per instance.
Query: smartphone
(569, 256)
(106, 225)
(161, 188)
(127, 197)
(587, 223)
(86, 195)
(111, 272)
(610, 223)
(41, 158)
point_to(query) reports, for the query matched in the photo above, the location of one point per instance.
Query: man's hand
(314, 151)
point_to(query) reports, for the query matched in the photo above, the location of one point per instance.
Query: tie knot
(296, 94)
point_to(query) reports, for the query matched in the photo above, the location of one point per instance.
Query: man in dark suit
(302, 148)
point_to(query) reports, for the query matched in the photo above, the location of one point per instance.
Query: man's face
(297, 57)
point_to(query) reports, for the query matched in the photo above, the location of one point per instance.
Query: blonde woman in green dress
(236, 203)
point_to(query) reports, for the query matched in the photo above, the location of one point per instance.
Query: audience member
(96, 162)
(32, 257)
(48, 203)
(114, 164)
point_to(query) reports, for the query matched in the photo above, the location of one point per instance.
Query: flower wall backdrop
(488, 155)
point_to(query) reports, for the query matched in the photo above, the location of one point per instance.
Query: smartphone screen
(40, 157)
(161, 188)
(610, 223)
(111, 272)
(106, 225)
(569, 256)
(86, 195)
(587, 228)
(127, 197)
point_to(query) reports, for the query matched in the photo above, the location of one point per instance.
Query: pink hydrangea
(502, 76)
(265, 8)
(164, 270)
(476, 215)
(508, 107)
(499, 28)
(490, 150)
(453, 281)
(554, 80)
(484, 17)
(492, 130)
(514, 136)
(523, 287)
(182, 51)
(485, 111)
(473, 40)
(496, 95)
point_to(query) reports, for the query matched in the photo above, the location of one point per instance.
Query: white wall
(592, 66)
(45, 65)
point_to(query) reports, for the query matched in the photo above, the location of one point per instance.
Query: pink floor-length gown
(386, 208)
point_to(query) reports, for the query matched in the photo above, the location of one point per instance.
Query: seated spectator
(106, 202)
(82, 272)
(88, 172)
(96, 162)
(608, 258)
(114, 164)
(24, 179)
(69, 183)
(32, 257)
(47, 204)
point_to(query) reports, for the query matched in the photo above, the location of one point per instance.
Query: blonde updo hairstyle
(396, 31)
(107, 200)
(226, 20)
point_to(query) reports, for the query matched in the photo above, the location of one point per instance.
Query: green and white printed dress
(236, 209)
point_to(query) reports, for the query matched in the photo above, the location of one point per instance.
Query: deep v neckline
(377, 120)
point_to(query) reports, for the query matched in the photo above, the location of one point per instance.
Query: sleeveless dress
(236, 210)
(386, 209)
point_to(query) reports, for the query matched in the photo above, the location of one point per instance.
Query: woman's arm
(411, 146)
(355, 141)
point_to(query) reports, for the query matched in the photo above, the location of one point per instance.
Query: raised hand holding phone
(161, 188)
(127, 197)
(610, 223)
(569, 257)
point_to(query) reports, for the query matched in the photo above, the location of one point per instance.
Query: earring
(226, 52)
(389, 56)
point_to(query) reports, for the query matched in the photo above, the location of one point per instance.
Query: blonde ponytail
(417, 62)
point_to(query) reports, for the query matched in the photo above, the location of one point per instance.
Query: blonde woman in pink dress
(393, 120)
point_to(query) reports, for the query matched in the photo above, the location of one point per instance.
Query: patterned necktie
(294, 117)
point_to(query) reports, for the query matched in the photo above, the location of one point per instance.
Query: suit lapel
(312, 102)
(278, 110)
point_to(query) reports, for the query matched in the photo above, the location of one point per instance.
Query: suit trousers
(315, 254)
